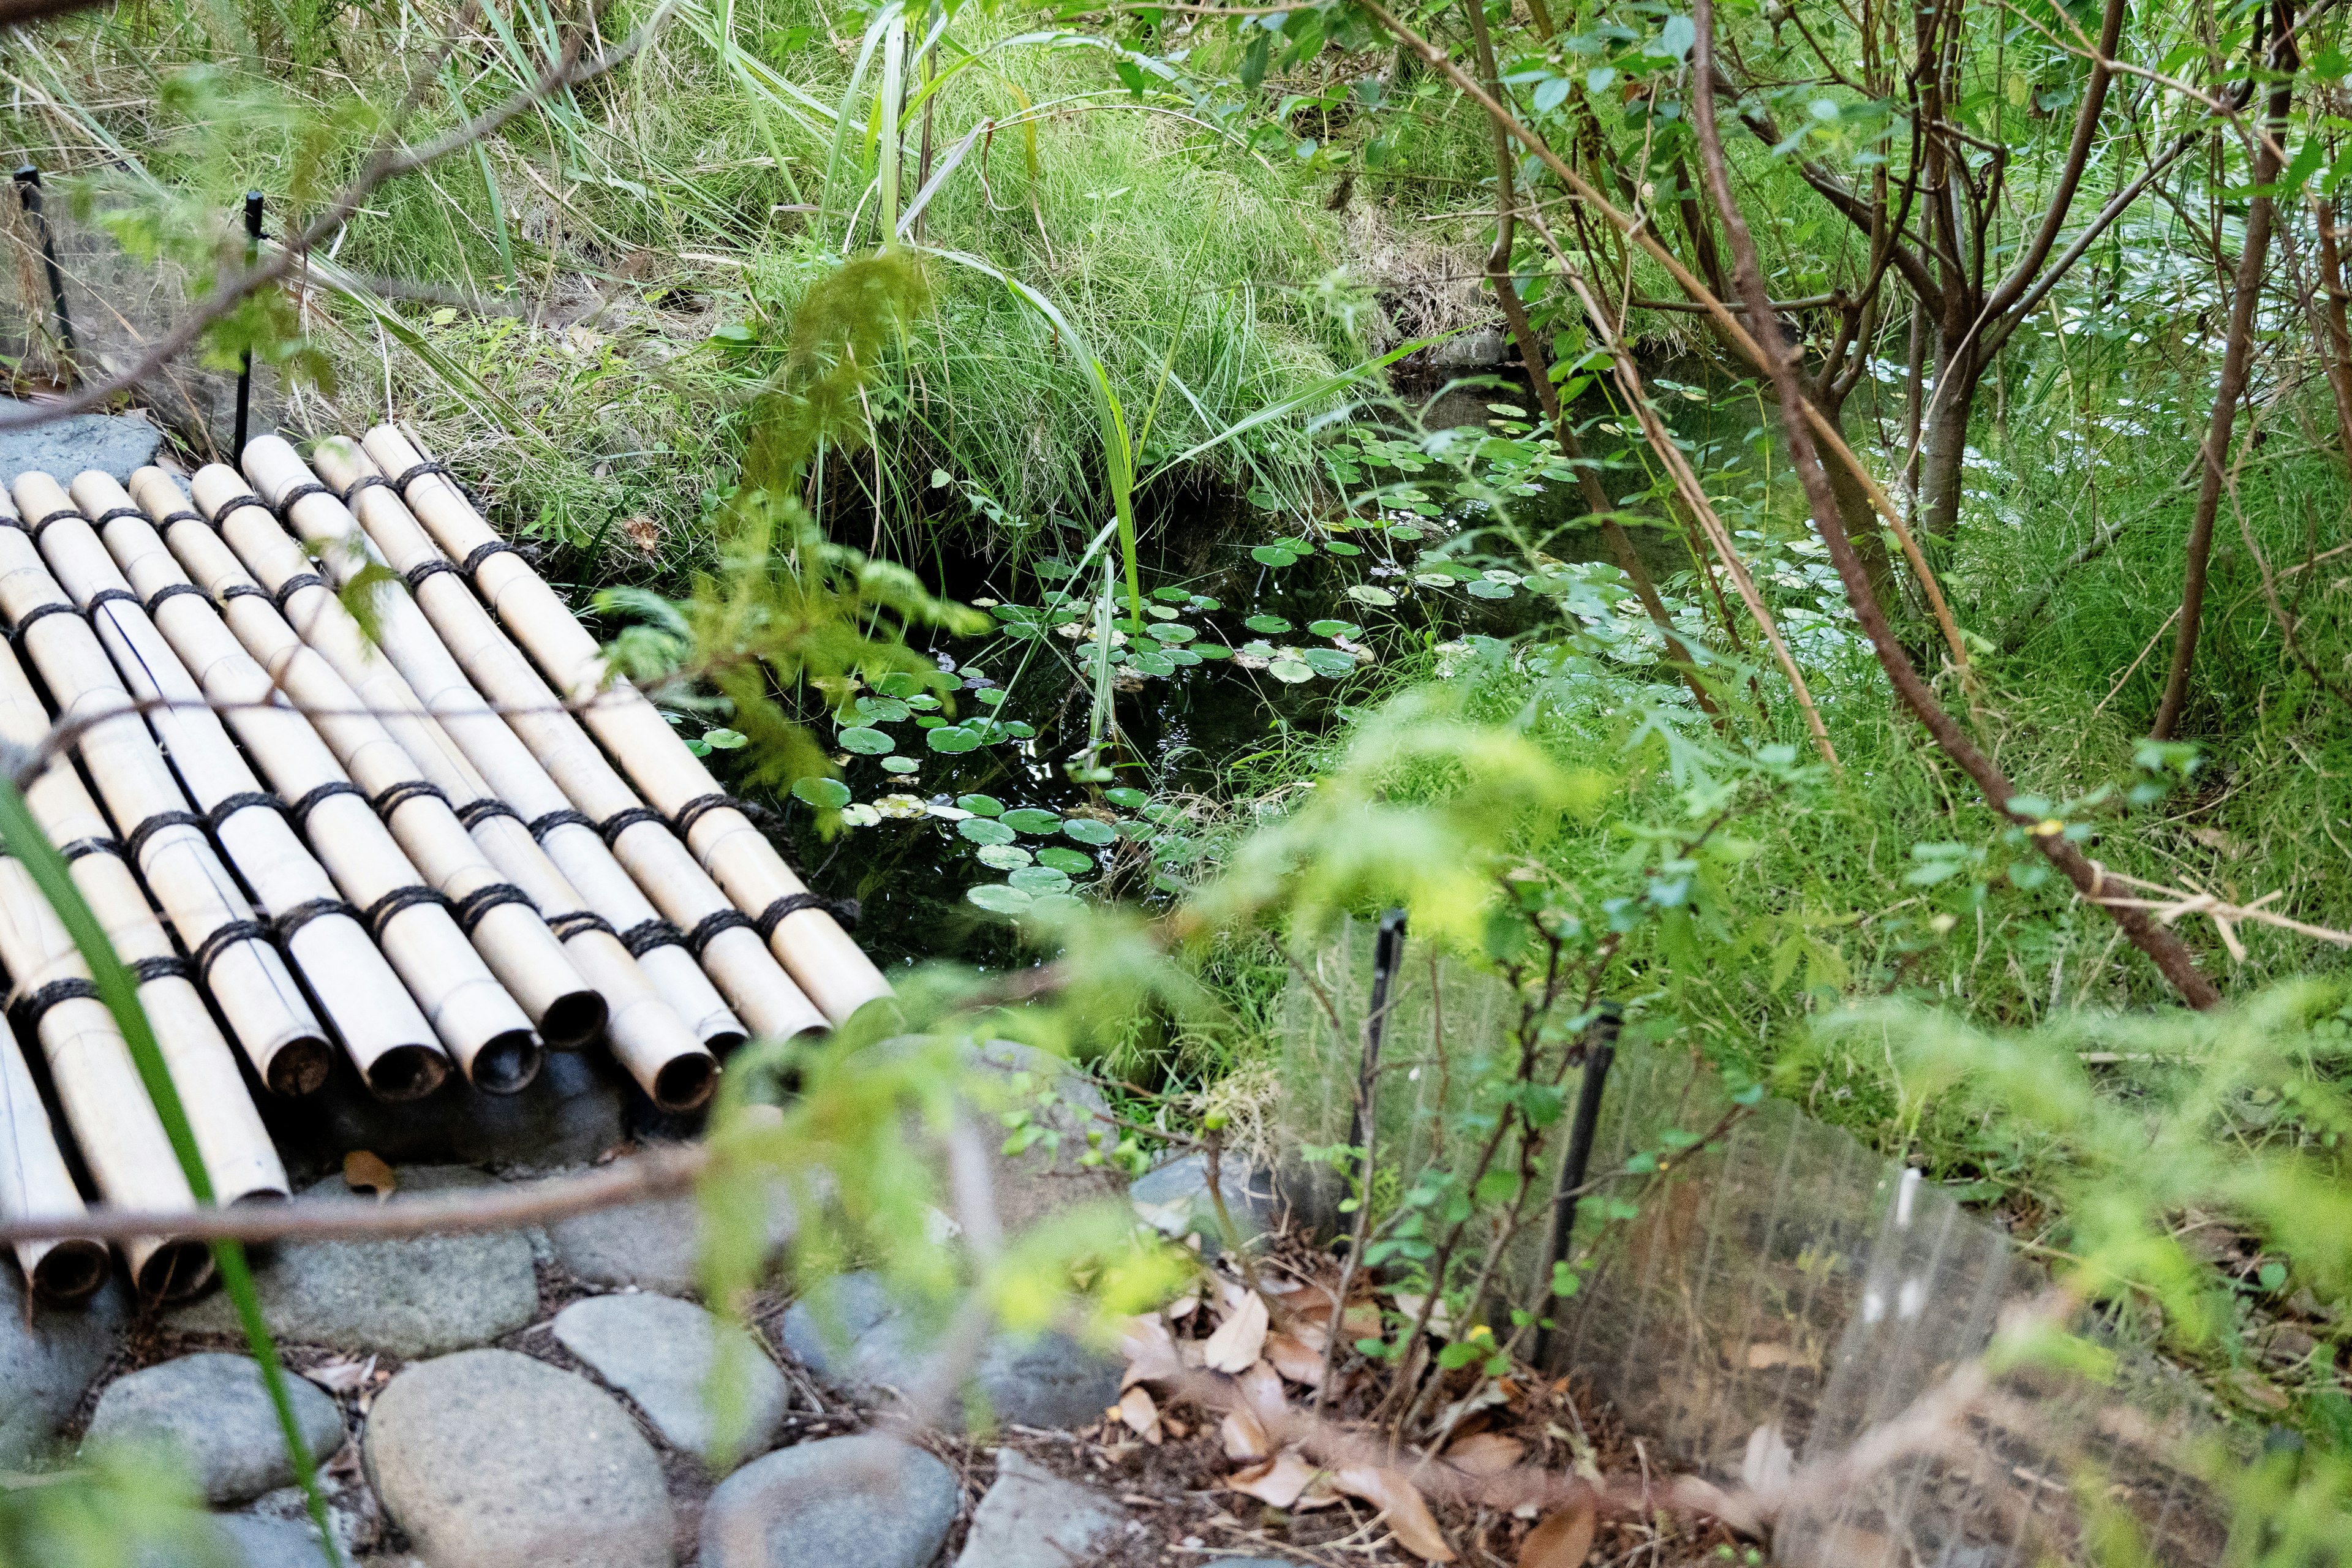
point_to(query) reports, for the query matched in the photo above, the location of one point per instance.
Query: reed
(491, 1039)
(484, 660)
(399, 750)
(373, 1015)
(828, 966)
(36, 1184)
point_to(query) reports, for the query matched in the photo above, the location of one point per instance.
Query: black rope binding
(541, 826)
(409, 477)
(283, 926)
(361, 483)
(641, 940)
(98, 844)
(57, 516)
(228, 805)
(417, 574)
(110, 595)
(578, 922)
(24, 622)
(483, 552)
(220, 518)
(707, 928)
(136, 844)
(112, 513)
(172, 590)
(285, 506)
(475, 813)
(26, 1012)
(224, 937)
(380, 913)
(470, 909)
(165, 968)
(238, 590)
(312, 799)
(694, 810)
(13, 520)
(391, 797)
(182, 515)
(621, 821)
(843, 911)
(293, 585)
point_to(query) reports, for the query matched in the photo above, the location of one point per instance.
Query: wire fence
(1772, 1295)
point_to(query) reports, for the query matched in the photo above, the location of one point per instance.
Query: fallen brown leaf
(1240, 1338)
(365, 1172)
(1401, 1505)
(1562, 1540)
(1485, 1453)
(1279, 1480)
(1141, 1414)
(644, 533)
(1150, 1352)
(343, 1376)
(1263, 1392)
(1245, 1435)
(1295, 1359)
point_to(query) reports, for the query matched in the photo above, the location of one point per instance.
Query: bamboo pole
(114, 1123)
(447, 969)
(265, 1009)
(837, 975)
(483, 660)
(378, 1026)
(36, 1184)
(509, 780)
(236, 1147)
(646, 1033)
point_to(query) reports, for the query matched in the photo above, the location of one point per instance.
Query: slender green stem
(23, 838)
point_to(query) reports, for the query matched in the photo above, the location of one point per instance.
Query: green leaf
(1551, 92)
(1483, 589)
(1335, 629)
(999, 899)
(981, 805)
(955, 738)
(1034, 879)
(981, 830)
(867, 742)
(1273, 555)
(826, 794)
(1071, 862)
(1173, 631)
(900, 765)
(725, 739)
(1365, 593)
(1089, 830)
(1271, 625)
(1005, 857)
(1290, 671)
(1030, 820)
(1123, 795)
(1329, 662)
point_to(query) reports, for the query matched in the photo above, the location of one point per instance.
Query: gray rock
(490, 1459)
(860, 1340)
(653, 1246)
(116, 443)
(1175, 1198)
(271, 1542)
(48, 1356)
(1472, 351)
(1041, 1181)
(421, 1296)
(214, 1411)
(845, 1502)
(662, 1353)
(1033, 1518)
(569, 1114)
(352, 1517)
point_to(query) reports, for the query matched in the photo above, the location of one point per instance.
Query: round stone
(847, 1502)
(706, 1385)
(212, 1412)
(47, 1357)
(490, 1459)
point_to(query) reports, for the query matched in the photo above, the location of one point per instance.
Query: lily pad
(1290, 670)
(1368, 594)
(1272, 625)
(1407, 531)
(870, 710)
(1069, 862)
(1335, 628)
(1341, 547)
(1329, 662)
(1171, 595)
(1056, 905)
(858, 813)
(988, 697)
(999, 899)
(826, 794)
(1173, 631)
(1020, 729)
(1483, 589)
(1035, 879)
(931, 722)
(1089, 830)
(981, 805)
(725, 739)
(1434, 579)
(1029, 819)
(899, 683)
(1125, 795)
(1210, 651)
(1153, 663)
(981, 830)
(953, 739)
(867, 742)
(899, 765)
(1182, 658)
(1273, 555)
(1005, 857)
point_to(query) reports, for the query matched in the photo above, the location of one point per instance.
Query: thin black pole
(1388, 951)
(245, 371)
(28, 191)
(1600, 1051)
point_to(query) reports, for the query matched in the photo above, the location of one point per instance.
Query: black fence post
(245, 371)
(1599, 1052)
(28, 191)
(1388, 951)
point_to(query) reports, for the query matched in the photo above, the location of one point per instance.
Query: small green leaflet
(1089, 830)
(865, 742)
(826, 794)
(981, 830)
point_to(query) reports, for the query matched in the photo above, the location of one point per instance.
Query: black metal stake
(1600, 1051)
(245, 371)
(28, 191)
(1388, 951)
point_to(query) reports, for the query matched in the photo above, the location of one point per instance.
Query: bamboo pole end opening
(175, 1272)
(574, 1020)
(71, 1272)
(407, 1072)
(300, 1067)
(507, 1063)
(686, 1083)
